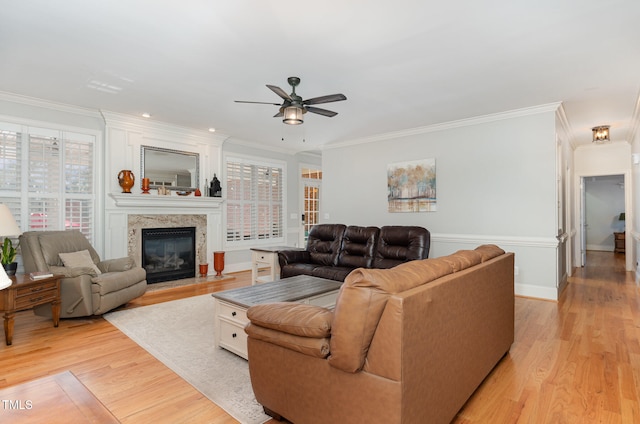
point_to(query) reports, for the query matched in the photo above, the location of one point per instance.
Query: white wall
(496, 183)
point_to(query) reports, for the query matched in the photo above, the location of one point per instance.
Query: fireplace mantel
(172, 201)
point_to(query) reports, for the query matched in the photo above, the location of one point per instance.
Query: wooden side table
(26, 293)
(619, 242)
(266, 257)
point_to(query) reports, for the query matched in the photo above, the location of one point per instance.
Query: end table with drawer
(266, 257)
(25, 293)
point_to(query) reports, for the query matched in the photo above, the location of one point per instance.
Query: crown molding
(516, 113)
(635, 122)
(46, 104)
(158, 128)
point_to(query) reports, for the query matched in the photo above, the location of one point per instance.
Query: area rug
(180, 334)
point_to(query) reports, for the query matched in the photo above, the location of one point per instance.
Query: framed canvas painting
(412, 186)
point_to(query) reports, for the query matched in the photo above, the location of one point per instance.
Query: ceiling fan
(293, 107)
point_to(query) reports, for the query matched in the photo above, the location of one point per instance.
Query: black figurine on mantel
(216, 188)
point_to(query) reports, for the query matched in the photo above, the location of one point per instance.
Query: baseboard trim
(537, 292)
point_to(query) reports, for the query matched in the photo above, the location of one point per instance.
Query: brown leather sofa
(83, 292)
(334, 250)
(403, 345)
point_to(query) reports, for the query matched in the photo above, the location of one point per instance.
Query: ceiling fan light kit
(293, 115)
(293, 106)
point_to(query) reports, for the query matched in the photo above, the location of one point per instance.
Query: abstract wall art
(412, 186)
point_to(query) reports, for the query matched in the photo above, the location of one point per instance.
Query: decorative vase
(126, 180)
(204, 270)
(145, 186)
(197, 193)
(11, 268)
(218, 263)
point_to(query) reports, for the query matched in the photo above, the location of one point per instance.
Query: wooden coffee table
(231, 305)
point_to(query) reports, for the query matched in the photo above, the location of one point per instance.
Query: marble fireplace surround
(127, 214)
(135, 223)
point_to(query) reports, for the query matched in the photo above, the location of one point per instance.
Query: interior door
(310, 208)
(583, 224)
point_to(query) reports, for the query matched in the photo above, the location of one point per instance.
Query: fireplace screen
(169, 253)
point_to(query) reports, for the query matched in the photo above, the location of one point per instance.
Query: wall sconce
(293, 115)
(601, 134)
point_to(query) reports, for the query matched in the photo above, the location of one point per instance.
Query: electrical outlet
(516, 270)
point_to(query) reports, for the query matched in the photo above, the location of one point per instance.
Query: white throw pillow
(81, 259)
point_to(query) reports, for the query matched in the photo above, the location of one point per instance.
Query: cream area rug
(180, 334)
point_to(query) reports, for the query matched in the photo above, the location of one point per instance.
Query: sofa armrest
(70, 272)
(109, 282)
(300, 327)
(286, 257)
(117, 265)
(316, 347)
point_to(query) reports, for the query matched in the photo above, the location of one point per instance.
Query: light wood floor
(573, 361)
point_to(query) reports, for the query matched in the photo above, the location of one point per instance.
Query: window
(47, 178)
(255, 202)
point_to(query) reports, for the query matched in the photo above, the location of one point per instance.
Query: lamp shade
(293, 115)
(5, 281)
(8, 225)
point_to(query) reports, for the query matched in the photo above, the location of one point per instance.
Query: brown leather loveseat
(334, 250)
(404, 345)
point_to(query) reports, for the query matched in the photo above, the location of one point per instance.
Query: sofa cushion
(398, 244)
(489, 251)
(80, 259)
(463, 259)
(358, 246)
(324, 243)
(361, 301)
(55, 242)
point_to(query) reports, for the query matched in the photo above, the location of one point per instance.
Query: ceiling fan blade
(278, 115)
(279, 91)
(319, 111)
(325, 99)
(259, 103)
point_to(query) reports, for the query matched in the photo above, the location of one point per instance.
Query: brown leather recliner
(83, 292)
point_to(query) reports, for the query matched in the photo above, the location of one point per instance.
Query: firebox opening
(169, 253)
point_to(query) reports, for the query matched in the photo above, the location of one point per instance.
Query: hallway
(574, 361)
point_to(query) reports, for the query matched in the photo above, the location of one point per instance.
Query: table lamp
(8, 228)
(5, 281)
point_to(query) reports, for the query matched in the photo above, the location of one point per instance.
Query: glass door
(311, 184)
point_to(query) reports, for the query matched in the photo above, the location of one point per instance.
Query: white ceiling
(402, 64)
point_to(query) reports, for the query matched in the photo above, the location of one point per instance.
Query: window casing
(47, 178)
(254, 202)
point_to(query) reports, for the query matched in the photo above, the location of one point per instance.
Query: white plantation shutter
(47, 178)
(254, 201)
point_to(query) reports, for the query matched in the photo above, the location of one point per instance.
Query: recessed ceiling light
(146, 115)
(212, 129)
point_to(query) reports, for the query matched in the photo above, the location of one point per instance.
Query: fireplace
(169, 253)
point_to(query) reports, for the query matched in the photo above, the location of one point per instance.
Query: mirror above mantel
(174, 169)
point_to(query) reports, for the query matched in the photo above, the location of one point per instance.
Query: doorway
(602, 214)
(311, 183)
